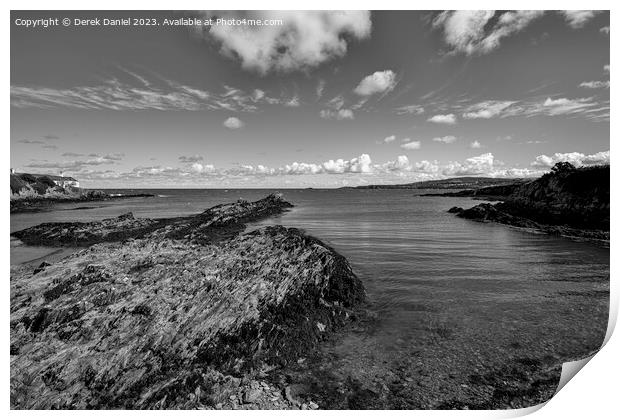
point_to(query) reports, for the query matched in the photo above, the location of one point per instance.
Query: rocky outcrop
(567, 202)
(219, 222)
(173, 321)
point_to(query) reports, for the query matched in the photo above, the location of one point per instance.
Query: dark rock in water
(568, 201)
(219, 222)
(41, 267)
(146, 323)
(455, 209)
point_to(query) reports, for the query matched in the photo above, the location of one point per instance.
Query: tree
(563, 167)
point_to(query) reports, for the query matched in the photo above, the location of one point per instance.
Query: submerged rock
(146, 323)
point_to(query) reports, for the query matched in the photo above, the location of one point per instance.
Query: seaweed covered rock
(222, 221)
(163, 324)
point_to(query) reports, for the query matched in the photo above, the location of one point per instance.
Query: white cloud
(389, 139)
(576, 158)
(443, 119)
(468, 31)
(410, 109)
(305, 40)
(475, 145)
(477, 165)
(361, 164)
(486, 109)
(341, 114)
(562, 106)
(411, 145)
(202, 168)
(606, 68)
(378, 82)
(445, 139)
(604, 30)
(578, 18)
(595, 84)
(233, 123)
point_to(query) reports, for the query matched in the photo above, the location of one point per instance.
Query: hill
(460, 183)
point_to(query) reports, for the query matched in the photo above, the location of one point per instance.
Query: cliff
(567, 200)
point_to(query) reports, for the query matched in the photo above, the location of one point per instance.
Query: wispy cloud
(233, 123)
(445, 139)
(578, 18)
(168, 95)
(411, 145)
(410, 109)
(595, 84)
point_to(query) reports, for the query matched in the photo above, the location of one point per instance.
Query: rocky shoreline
(568, 201)
(174, 313)
(39, 204)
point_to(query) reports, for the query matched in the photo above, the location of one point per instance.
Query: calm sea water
(440, 284)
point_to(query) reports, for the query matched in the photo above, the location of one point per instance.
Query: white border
(592, 394)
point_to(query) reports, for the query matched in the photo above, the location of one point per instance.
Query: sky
(313, 99)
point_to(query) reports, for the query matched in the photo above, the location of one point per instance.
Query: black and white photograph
(306, 210)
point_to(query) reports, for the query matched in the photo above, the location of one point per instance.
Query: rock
(41, 267)
(568, 201)
(251, 395)
(455, 209)
(293, 392)
(313, 406)
(217, 223)
(196, 316)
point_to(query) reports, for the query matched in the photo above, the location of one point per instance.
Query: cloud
(411, 145)
(341, 114)
(293, 102)
(320, 88)
(191, 159)
(72, 154)
(576, 158)
(28, 141)
(584, 107)
(606, 68)
(443, 119)
(202, 168)
(410, 109)
(486, 109)
(578, 18)
(477, 165)
(562, 106)
(361, 164)
(233, 123)
(50, 146)
(445, 139)
(304, 40)
(604, 30)
(76, 165)
(475, 145)
(50, 137)
(167, 95)
(389, 139)
(477, 32)
(378, 82)
(595, 84)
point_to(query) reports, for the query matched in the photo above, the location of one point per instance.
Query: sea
(451, 298)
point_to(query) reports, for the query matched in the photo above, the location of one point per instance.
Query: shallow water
(454, 297)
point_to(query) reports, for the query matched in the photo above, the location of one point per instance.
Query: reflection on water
(443, 286)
